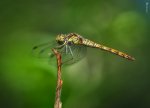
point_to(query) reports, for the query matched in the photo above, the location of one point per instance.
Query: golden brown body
(75, 39)
(105, 48)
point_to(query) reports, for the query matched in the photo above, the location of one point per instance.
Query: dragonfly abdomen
(90, 43)
(102, 47)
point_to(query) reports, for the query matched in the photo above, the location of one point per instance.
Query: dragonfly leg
(71, 55)
(70, 51)
(60, 46)
(66, 49)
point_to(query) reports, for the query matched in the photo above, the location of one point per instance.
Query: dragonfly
(73, 48)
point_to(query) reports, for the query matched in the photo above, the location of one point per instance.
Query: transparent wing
(70, 54)
(44, 50)
(73, 53)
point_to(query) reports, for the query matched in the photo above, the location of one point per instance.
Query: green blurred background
(101, 80)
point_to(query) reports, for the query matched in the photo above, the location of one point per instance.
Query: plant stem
(58, 103)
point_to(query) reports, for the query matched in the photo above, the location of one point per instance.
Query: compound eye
(60, 42)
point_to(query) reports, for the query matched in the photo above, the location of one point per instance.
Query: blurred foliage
(101, 80)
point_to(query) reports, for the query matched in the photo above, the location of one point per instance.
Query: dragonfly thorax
(69, 39)
(74, 38)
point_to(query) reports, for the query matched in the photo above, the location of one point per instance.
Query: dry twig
(58, 103)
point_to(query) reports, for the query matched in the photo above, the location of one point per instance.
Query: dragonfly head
(60, 39)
